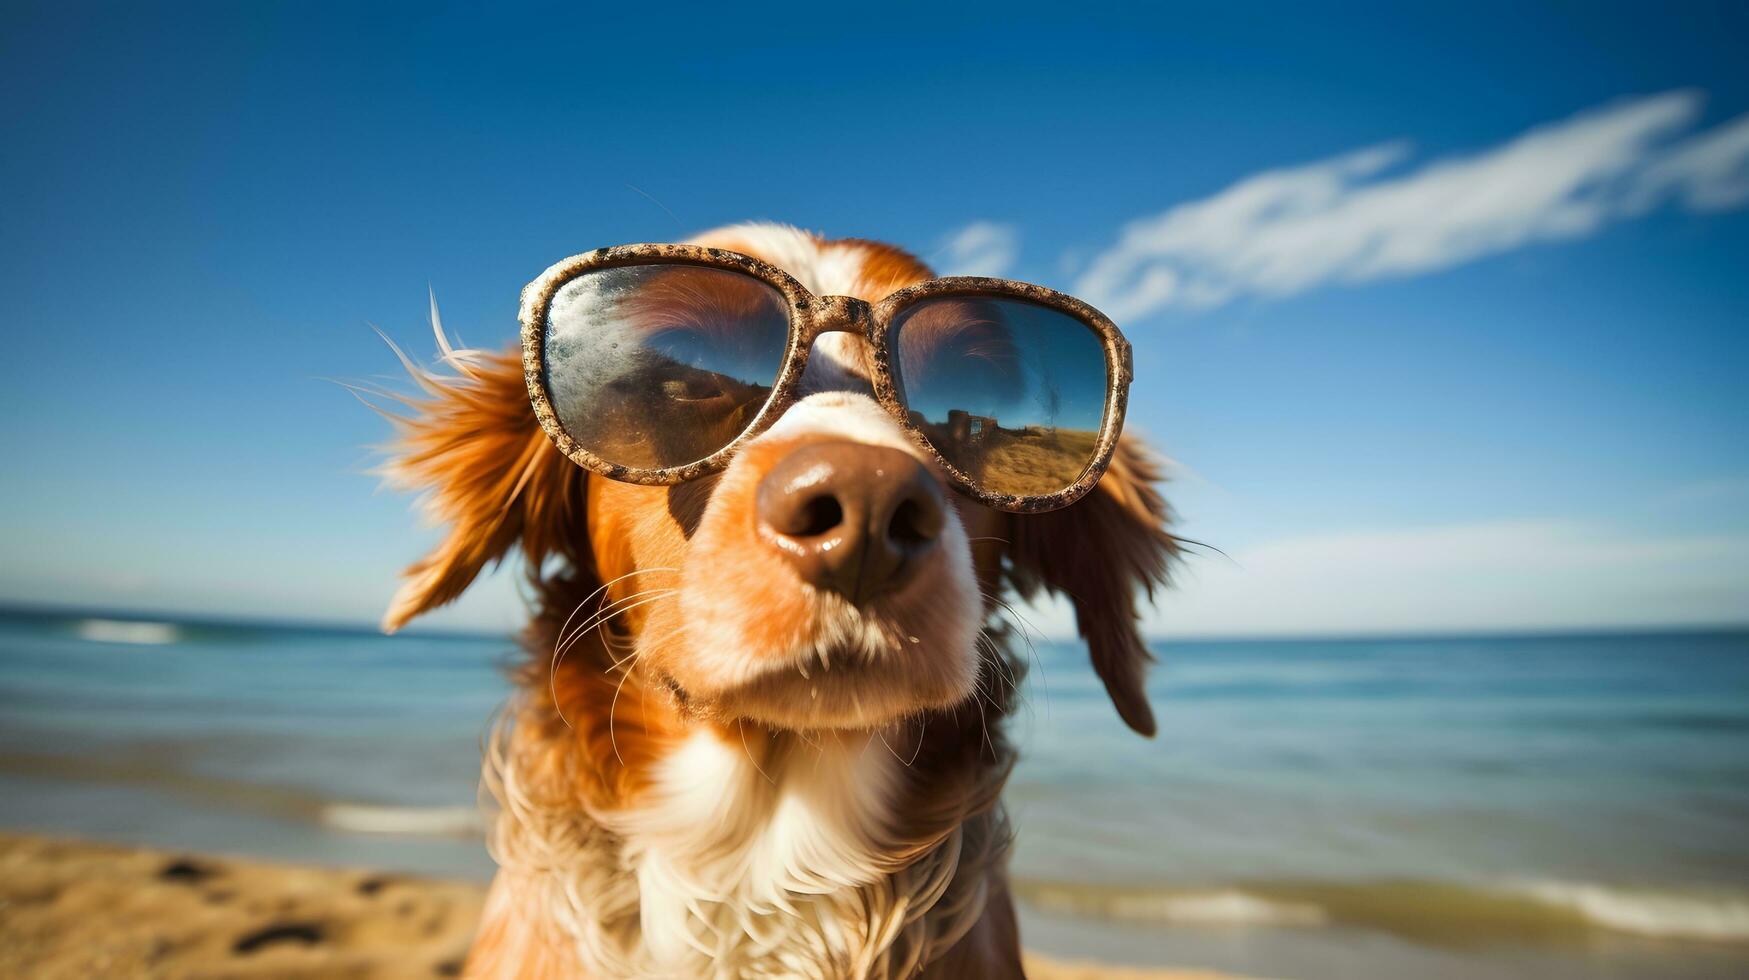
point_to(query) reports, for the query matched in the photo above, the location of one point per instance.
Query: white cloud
(1709, 172)
(1351, 218)
(1498, 575)
(982, 248)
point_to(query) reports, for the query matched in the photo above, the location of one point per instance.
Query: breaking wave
(140, 632)
(1441, 913)
(1645, 912)
(418, 821)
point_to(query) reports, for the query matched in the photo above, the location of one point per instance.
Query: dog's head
(828, 578)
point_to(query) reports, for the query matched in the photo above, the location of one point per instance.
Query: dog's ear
(489, 474)
(1099, 552)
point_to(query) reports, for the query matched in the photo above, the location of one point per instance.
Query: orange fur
(885, 268)
(492, 476)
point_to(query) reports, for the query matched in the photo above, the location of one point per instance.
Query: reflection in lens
(1009, 391)
(657, 366)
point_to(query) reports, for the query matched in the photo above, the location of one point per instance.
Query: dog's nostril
(909, 525)
(819, 515)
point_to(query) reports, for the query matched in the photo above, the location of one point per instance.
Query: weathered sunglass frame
(811, 316)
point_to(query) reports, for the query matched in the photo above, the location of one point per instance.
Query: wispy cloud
(1363, 216)
(982, 248)
(1708, 172)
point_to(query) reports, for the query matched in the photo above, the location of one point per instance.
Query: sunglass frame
(811, 316)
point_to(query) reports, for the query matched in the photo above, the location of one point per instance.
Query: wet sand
(77, 909)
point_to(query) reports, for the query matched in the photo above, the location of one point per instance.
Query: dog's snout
(851, 518)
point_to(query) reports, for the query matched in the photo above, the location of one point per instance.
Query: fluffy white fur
(854, 417)
(733, 870)
(835, 270)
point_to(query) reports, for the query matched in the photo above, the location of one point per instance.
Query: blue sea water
(1470, 806)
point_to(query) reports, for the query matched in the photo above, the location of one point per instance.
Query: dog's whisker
(617, 608)
(611, 610)
(922, 730)
(603, 588)
(612, 706)
(986, 644)
(989, 645)
(984, 726)
(559, 644)
(882, 736)
(1026, 630)
(562, 649)
(617, 663)
(619, 652)
(741, 726)
(559, 656)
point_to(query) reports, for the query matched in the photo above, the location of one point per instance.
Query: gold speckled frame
(809, 317)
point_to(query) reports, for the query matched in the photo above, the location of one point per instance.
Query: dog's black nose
(851, 518)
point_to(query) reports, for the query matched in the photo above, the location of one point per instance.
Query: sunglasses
(652, 364)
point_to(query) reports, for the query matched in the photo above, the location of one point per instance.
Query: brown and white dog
(714, 768)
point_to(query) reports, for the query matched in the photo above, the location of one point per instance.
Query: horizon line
(16, 608)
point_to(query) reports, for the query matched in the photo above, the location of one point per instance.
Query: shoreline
(76, 908)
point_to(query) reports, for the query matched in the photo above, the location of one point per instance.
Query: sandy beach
(77, 909)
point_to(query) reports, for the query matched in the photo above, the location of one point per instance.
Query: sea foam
(419, 821)
(1645, 912)
(127, 631)
(1426, 910)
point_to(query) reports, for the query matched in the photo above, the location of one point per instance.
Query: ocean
(1541, 806)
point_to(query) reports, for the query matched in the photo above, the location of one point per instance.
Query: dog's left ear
(489, 475)
(1099, 552)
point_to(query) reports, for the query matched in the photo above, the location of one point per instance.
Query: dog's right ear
(488, 473)
(1099, 553)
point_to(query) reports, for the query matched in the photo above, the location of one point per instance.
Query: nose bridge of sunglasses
(834, 361)
(843, 314)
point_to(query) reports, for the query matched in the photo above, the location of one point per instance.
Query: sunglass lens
(1008, 391)
(658, 366)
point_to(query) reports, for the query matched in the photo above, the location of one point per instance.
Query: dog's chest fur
(735, 868)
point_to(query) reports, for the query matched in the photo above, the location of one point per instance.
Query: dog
(669, 803)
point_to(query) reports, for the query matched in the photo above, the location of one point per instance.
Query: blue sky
(1441, 314)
